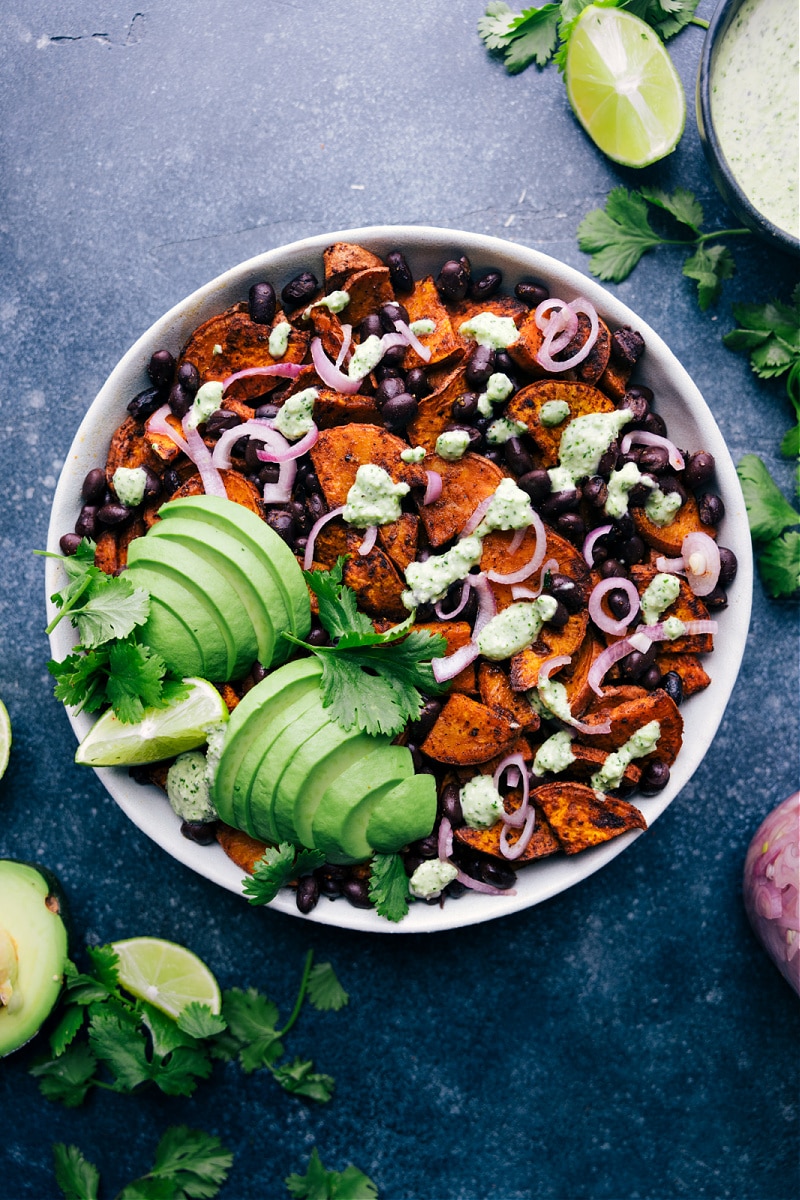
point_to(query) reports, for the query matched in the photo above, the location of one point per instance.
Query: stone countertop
(627, 1039)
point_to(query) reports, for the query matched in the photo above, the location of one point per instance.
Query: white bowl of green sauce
(748, 114)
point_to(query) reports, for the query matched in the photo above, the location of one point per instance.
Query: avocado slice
(339, 826)
(180, 629)
(403, 815)
(211, 590)
(245, 572)
(33, 950)
(244, 725)
(259, 537)
(293, 729)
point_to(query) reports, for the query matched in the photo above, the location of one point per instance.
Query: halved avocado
(211, 590)
(403, 815)
(180, 629)
(295, 729)
(259, 537)
(339, 825)
(33, 950)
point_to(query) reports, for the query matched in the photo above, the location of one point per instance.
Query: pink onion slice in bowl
(598, 614)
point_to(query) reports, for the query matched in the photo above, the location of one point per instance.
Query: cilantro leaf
(338, 609)
(779, 565)
(105, 965)
(135, 680)
(252, 1034)
(388, 886)
(68, 1077)
(709, 265)
(81, 679)
(667, 17)
(618, 235)
(121, 1047)
(299, 1078)
(768, 512)
(195, 1163)
(535, 37)
(277, 867)
(77, 1178)
(199, 1021)
(324, 990)
(497, 25)
(64, 1033)
(318, 1183)
(681, 204)
(113, 608)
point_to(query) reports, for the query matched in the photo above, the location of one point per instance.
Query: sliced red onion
(518, 763)
(261, 430)
(656, 633)
(560, 324)
(518, 848)
(347, 330)
(409, 336)
(487, 605)
(368, 540)
(533, 562)
(200, 455)
(601, 619)
(605, 661)
(641, 437)
(523, 593)
(158, 423)
(293, 450)
(701, 562)
(545, 671)
(551, 665)
(477, 886)
(448, 616)
(516, 541)
(672, 566)
(453, 664)
(548, 346)
(330, 375)
(308, 557)
(477, 516)
(286, 370)
(588, 545)
(434, 489)
(641, 640)
(281, 491)
(445, 839)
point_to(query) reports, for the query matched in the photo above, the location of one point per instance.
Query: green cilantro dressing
(216, 349)
(642, 742)
(487, 329)
(413, 454)
(279, 339)
(502, 430)
(554, 755)
(424, 325)
(583, 444)
(129, 484)
(431, 877)
(296, 416)
(498, 388)
(662, 591)
(428, 581)
(207, 400)
(661, 507)
(481, 803)
(554, 412)
(674, 628)
(451, 444)
(366, 357)
(334, 302)
(188, 788)
(620, 484)
(374, 498)
(552, 695)
(515, 627)
(510, 508)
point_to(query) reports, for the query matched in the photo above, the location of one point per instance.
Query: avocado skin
(34, 909)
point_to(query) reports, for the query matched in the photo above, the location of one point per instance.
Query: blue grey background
(627, 1040)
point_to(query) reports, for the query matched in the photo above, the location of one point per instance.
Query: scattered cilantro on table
(618, 235)
(125, 1043)
(109, 665)
(318, 1183)
(372, 680)
(773, 526)
(189, 1165)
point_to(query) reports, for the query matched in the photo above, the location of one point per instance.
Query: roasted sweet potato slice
(368, 291)
(524, 351)
(631, 715)
(238, 489)
(346, 258)
(328, 328)
(526, 407)
(589, 759)
(551, 643)
(668, 539)
(456, 634)
(111, 550)
(399, 539)
(487, 841)
(501, 306)
(242, 343)
(240, 847)
(334, 408)
(495, 690)
(694, 676)
(687, 607)
(498, 557)
(130, 448)
(435, 411)
(580, 818)
(614, 380)
(163, 447)
(375, 581)
(575, 676)
(340, 451)
(424, 304)
(467, 732)
(465, 484)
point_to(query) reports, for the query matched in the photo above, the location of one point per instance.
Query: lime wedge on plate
(166, 975)
(161, 733)
(5, 738)
(623, 87)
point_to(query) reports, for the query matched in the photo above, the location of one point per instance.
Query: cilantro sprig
(372, 680)
(105, 1039)
(618, 235)
(388, 886)
(319, 1183)
(774, 527)
(109, 666)
(189, 1165)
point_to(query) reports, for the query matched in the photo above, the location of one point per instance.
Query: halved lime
(161, 733)
(623, 87)
(5, 738)
(166, 975)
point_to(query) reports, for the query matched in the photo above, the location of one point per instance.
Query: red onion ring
(519, 847)
(487, 605)
(516, 541)
(656, 633)
(448, 667)
(641, 437)
(200, 455)
(445, 839)
(700, 545)
(308, 557)
(544, 355)
(293, 450)
(671, 566)
(546, 670)
(347, 330)
(477, 886)
(605, 661)
(527, 570)
(434, 489)
(448, 616)
(158, 423)
(281, 491)
(523, 593)
(591, 538)
(649, 633)
(561, 324)
(287, 370)
(262, 430)
(518, 762)
(600, 618)
(551, 665)
(368, 540)
(330, 375)
(477, 516)
(407, 333)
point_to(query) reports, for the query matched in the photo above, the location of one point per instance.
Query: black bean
(618, 602)
(299, 545)
(417, 383)
(179, 401)
(251, 459)
(654, 459)
(330, 884)
(315, 506)
(465, 406)
(390, 313)
(386, 371)
(651, 679)
(670, 484)
(559, 617)
(655, 778)
(93, 487)
(710, 508)
(572, 526)
(653, 423)
(69, 543)
(357, 892)
(638, 495)
(495, 456)
(612, 568)
(627, 346)
(699, 469)
(201, 832)
(419, 729)
(391, 386)
(453, 280)
(536, 484)
(480, 366)
(716, 599)
(393, 357)
(426, 848)
(317, 636)
(399, 272)
(636, 663)
(221, 419)
(450, 805)
(517, 457)
(86, 524)
(504, 364)
(532, 293)
(672, 684)
(171, 481)
(282, 522)
(161, 370)
(265, 412)
(145, 403)
(637, 404)
(269, 473)
(113, 514)
(560, 502)
(262, 303)
(307, 895)
(258, 672)
(485, 286)
(371, 326)
(299, 290)
(399, 410)
(188, 378)
(497, 875)
(566, 591)
(633, 550)
(595, 491)
(728, 566)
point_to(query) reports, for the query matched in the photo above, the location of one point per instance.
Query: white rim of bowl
(678, 397)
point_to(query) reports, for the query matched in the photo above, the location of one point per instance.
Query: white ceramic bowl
(690, 424)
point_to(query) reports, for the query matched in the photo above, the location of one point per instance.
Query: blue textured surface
(628, 1039)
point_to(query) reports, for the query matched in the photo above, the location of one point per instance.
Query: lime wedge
(161, 733)
(5, 738)
(623, 87)
(166, 975)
